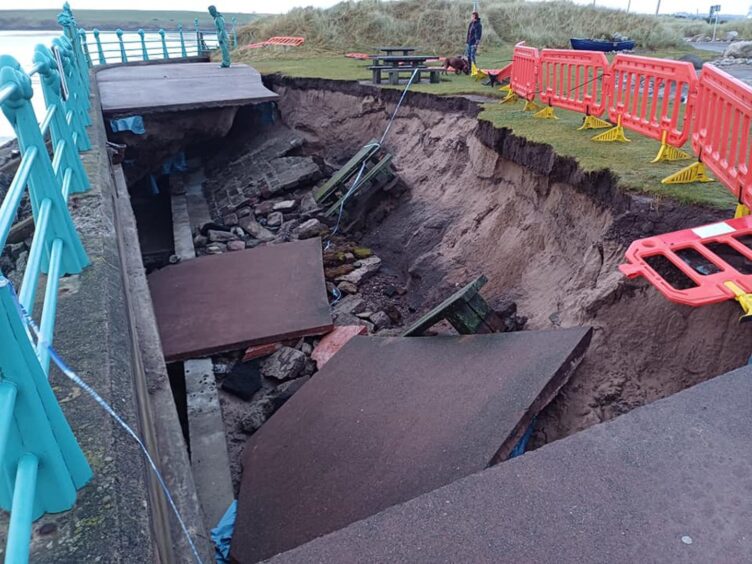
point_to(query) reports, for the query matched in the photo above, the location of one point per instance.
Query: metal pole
(658, 7)
(715, 25)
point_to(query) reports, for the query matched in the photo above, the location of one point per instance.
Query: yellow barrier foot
(510, 98)
(616, 133)
(693, 173)
(546, 113)
(744, 299)
(741, 211)
(669, 153)
(592, 122)
(531, 106)
(476, 73)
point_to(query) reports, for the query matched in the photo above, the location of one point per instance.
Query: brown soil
(546, 234)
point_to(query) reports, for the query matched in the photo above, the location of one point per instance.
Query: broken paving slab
(666, 482)
(388, 419)
(227, 302)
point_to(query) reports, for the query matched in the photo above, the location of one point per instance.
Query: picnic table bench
(394, 65)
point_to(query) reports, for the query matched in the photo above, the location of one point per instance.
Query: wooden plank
(344, 173)
(439, 312)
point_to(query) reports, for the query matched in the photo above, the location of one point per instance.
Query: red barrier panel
(716, 258)
(574, 80)
(524, 76)
(721, 137)
(653, 96)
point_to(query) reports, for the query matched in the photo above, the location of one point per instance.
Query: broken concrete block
(347, 287)
(220, 236)
(216, 249)
(286, 390)
(381, 320)
(334, 341)
(258, 412)
(366, 268)
(256, 230)
(350, 304)
(308, 203)
(275, 219)
(230, 219)
(285, 364)
(285, 206)
(310, 228)
(236, 246)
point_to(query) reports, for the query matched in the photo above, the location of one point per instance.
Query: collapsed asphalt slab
(667, 482)
(227, 302)
(388, 419)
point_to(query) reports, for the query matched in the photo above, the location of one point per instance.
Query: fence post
(60, 131)
(100, 51)
(165, 52)
(85, 46)
(198, 37)
(144, 52)
(234, 32)
(43, 185)
(183, 52)
(123, 54)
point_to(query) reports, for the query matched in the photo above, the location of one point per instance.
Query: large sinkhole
(473, 200)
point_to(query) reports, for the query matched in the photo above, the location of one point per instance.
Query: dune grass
(437, 26)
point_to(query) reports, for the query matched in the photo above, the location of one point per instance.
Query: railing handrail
(48, 465)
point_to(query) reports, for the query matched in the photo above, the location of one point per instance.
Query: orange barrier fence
(575, 80)
(721, 138)
(700, 266)
(524, 75)
(654, 97)
(280, 41)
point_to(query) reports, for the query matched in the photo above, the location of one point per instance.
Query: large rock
(220, 236)
(739, 50)
(258, 412)
(255, 229)
(350, 304)
(285, 364)
(310, 228)
(366, 268)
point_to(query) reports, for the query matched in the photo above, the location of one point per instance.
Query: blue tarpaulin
(221, 535)
(134, 124)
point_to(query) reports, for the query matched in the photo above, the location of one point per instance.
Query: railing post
(183, 52)
(60, 131)
(144, 52)
(165, 52)
(198, 37)
(68, 22)
(43, 184)
(123, 54)
(85, 46)
(100, 51)
(234, 32)
(78, 94)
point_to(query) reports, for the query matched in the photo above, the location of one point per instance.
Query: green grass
(630, 161)
(112, 19)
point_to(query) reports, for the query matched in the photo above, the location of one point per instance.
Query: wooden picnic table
(393, 65)
(403, 50)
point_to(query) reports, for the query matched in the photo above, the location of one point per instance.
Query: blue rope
(70, 374)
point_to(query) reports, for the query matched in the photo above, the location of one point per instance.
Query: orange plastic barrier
(283, 41)
(524, 75)
(359, 56)
(721, 138)
(574, 80)
(716, 258)
(654, 97)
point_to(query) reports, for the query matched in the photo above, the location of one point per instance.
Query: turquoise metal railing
(41, 463)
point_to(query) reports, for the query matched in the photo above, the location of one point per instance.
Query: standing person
(474, 33)
(222, 36)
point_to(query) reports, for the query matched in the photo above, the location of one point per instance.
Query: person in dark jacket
(474, 33)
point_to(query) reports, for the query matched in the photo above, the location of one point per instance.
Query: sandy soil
(544, 233)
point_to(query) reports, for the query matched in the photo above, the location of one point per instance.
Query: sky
(277, 6)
